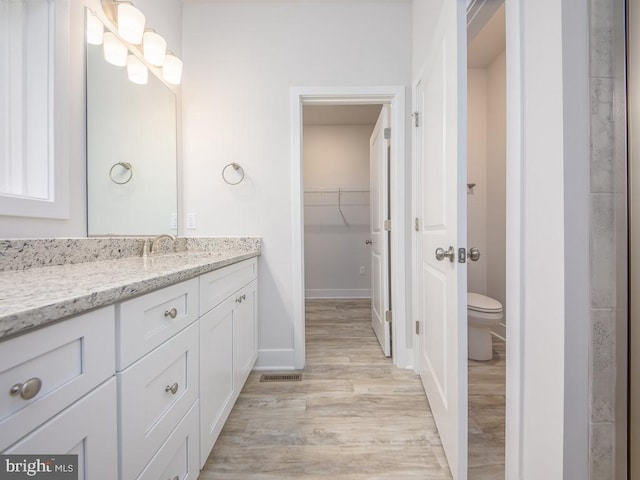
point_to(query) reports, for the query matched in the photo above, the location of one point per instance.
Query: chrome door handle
(474, 254)
(368, 242)
(173, 313)
(441, 254)
(172, 388)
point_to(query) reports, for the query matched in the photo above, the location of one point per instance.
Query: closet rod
(336, 190)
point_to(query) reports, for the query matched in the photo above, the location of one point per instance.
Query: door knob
(441, 254)
(369, 242)
(474, 254)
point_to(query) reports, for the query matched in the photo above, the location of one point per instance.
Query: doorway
(486, 230)
(394, 97)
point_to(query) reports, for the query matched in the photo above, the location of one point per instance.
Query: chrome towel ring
(237, 168)
(127, 166)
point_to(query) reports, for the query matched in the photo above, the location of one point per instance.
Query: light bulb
(130, 23)
(172, 69)
(95, 29)
(154, 47)
(136, 70)
(115, 52)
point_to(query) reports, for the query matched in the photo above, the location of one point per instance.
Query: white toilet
(483, 313)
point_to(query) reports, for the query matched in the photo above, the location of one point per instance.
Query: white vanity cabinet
(228, 344)
(55, 380)
(139, 389)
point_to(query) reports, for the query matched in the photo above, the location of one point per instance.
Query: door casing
(400, 201)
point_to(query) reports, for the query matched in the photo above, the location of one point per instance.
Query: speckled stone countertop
(34, 297)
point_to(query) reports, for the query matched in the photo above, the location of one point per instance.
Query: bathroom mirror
(131, 152)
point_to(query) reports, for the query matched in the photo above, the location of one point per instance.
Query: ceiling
(488, 43)
(340, 114)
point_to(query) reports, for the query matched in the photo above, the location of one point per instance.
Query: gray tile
(603, 365)
(603, 253)
(602, 135)
(601, 35)
(602, 461)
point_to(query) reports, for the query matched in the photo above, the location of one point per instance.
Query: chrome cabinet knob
(173, 313)
(441, 254)
(172, 388)
(28, 389)
(474, 254)
(368, 242)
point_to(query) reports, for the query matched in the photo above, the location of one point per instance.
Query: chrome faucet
(157, 239)
(149, 248)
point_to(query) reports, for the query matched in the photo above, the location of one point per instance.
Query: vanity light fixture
(95, 29)
(115, 52)
(154, 47)
(130, 23)
(172, 69)
(136, 70)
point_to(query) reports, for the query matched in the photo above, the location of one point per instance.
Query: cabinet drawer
(87, 429)
(145, 322)
(69, 358)
(217, 285)
(178, 456)
(149, 408)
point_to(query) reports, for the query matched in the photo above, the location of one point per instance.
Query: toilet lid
(482, 303)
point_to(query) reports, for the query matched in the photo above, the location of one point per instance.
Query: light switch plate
(191, 221)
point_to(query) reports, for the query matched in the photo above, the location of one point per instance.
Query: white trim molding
(394, 96)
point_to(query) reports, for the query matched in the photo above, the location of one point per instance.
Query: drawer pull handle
(172, 388)
(177, 477)
(28, 389)
(173, 313)
(241, 298)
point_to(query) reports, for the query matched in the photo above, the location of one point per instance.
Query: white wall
(547, 112)
(241, 60)
(165, 17)
(477, 128)
(496, 180)
(337, 156)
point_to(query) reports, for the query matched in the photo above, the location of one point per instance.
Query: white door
(379, 239)
(441, 344)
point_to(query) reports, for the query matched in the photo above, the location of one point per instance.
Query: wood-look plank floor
(353, 415)
(487, 415)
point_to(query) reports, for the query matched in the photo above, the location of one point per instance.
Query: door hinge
(387, 225)
(417, 327)
(388, 316)
(462, 255)
(387, 133)
(416, 118)
(416, 225)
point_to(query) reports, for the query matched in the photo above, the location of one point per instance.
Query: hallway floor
(353, 415)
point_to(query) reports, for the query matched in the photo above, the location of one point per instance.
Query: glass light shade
(95, 29)
(130, 23)
(136, 70)
(154, 47)
(115, 52)
(172, 69)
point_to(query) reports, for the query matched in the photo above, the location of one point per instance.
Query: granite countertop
(34, 297)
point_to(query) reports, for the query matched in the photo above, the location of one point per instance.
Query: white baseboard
(338, 293)
(275, 360)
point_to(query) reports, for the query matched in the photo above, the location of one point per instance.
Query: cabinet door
(245, 334)
(87, 429)
(216, 373)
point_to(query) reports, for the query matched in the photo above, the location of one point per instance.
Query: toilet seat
(483, 304)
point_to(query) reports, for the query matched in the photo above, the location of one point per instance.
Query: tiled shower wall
(608, 242)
